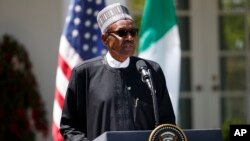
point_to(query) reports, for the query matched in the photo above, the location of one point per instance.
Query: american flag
(80, 41)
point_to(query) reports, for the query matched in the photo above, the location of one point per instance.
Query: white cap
(111, 14)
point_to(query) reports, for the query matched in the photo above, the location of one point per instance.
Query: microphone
(145, 74)
(146, 78)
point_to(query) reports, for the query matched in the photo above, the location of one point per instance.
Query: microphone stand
(154, 98)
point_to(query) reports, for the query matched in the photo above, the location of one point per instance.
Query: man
(107, 93)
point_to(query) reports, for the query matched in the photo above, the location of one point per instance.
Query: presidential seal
(167, 132)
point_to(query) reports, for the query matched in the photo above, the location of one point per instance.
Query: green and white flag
(160, 42)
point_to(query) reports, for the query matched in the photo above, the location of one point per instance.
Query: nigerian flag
(159, 41)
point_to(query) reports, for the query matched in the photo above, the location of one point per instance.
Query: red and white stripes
(67, 59)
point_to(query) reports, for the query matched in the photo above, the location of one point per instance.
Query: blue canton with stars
(82, 30)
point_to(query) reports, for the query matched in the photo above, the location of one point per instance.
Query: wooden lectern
(191, 134)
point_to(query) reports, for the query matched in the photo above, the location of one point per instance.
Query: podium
(191, 134)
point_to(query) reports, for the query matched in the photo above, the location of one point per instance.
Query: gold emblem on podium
(167, 132)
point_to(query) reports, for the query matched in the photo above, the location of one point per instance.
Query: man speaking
(111, 93)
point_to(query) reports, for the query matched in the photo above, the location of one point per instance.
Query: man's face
(121, 39)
